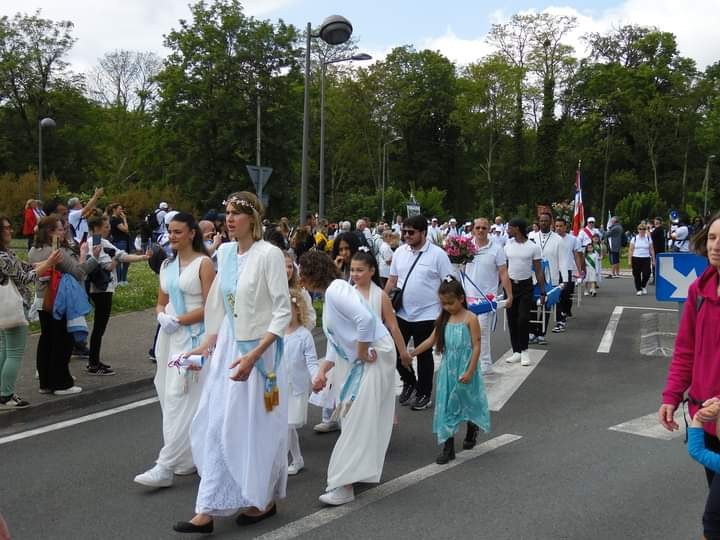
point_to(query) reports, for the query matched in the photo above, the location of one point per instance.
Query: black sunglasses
(409, 232)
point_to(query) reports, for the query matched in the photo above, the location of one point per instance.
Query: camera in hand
(110, 252)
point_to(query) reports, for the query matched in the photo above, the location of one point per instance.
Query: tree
(125, 79)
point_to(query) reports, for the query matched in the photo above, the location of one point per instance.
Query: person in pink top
(695, 365)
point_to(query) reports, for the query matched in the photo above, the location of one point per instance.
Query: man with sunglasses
(420, 304)
(489, 267)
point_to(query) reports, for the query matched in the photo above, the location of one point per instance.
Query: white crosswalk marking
(648, 426)
(504, 381)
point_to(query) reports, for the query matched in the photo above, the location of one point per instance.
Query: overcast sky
(455, 27)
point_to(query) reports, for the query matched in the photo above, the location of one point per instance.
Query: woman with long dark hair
(185, 281)
(344, 247)
(366, 403)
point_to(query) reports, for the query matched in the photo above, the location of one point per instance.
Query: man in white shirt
(489, 267)
(385, 255)
(78, 214)
(420, 303)
(571, 261)
(551, 246)
(397, 226)
(452, 229)
(679, 236)
(498, 236)
(435, 233)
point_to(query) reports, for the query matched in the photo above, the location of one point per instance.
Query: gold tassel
(276, 396)
(268, 401)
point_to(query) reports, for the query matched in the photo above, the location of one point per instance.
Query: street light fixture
(385, 175)
(44, 123)
(321, 186)
(707, 183)
(334, 30)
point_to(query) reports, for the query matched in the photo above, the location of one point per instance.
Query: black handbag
(396, 293)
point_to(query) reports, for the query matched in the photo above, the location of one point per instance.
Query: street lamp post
(47, 123)
(385, 175)
(334, 30)
(707, 183)
(321, 184)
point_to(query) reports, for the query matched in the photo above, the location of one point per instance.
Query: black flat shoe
(188, 527)
(244, 519)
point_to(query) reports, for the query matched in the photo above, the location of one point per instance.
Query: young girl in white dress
(239, 434)
(357, 337)
(301, 364)
(185, 281)
(592, 267)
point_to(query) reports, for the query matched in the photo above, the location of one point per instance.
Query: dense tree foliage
(499, 135)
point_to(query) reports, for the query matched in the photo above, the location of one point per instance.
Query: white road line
(75, 421)
(366, 498)
(649, 308)
(609, 335)
(503, 382)
(648, 426)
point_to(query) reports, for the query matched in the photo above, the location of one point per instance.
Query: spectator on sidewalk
(30, 221)
(103, 286)
(55, 345)
(157, 221)
(79, 214)
(16, 274)
(614, 239)
(695, 361)
(120, 238)
(418, 267)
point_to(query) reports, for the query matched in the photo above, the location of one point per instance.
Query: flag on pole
(579, 211)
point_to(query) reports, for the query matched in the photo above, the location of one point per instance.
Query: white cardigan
(262, 299)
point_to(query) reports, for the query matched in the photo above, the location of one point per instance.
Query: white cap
(170, 215)
(453, 220)
(163, 206)
(591, 219)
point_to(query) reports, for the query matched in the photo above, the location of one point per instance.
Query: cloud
(137, 25)
(693, 23)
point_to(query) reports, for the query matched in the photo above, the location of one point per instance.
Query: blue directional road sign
(675, 272)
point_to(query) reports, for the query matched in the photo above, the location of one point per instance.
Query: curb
(86, 398)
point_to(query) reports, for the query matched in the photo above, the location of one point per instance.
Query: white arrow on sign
(680, 281)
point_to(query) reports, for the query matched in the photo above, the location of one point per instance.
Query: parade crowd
(236, 362)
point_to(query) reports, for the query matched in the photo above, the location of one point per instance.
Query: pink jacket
(696, 358)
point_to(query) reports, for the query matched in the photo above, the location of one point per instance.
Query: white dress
(359, 454)
(300, 362)
(240, 449)
(179, 394)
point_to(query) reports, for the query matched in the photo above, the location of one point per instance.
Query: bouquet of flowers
(460, 249)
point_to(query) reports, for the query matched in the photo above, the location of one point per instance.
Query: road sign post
(260, 177)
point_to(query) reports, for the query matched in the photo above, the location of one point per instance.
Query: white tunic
(179, 393)
(240, 449)
(301, 365)
(359, 454)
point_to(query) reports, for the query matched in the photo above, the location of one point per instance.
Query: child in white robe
(301, 363)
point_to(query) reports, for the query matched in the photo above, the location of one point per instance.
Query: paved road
(567, 476)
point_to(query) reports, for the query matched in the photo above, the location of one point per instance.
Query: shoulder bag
(12, 311)
(396, 293)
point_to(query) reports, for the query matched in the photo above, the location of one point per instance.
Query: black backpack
(152, 220)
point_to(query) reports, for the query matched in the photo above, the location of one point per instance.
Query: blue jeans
(122, 268)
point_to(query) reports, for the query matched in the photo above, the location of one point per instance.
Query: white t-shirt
(385, 254)
(79, 223)
(420, 300)
(484, 270)
(681, 242)
(641, 246)
(572, 244)
(551, 248)
(520, 258)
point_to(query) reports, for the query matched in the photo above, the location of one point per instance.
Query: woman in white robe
(239, 434)
(357, 337)
(185, 281)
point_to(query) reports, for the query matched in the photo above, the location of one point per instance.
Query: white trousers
(485, 353)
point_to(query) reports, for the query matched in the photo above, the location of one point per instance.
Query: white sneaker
(326, 427)
(525, 359)
(639, 293)
(338, 496)
(514, 357)
(295, 467)
(644, 291)
(68, 391)
(586, 293)
(156, 477)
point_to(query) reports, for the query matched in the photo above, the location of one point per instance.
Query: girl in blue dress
(460, 392)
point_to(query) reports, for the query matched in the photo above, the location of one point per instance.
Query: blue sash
(177, 299)
(228, 272)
